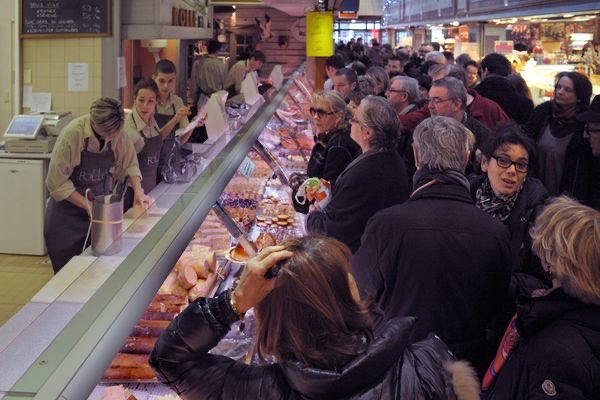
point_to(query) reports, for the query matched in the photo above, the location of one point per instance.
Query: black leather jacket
(390, 368)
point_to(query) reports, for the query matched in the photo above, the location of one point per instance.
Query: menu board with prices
(65, 18)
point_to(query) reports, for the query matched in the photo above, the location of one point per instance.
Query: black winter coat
(372, 182)
(581, 175)
(327, 160)
(558, 355)
(439, 258)
(387, 369)
(498, 88)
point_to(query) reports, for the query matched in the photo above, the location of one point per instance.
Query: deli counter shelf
(59, 345)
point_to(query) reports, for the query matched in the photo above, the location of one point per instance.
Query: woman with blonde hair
(311, 320)
(334, 149)
(552, 345)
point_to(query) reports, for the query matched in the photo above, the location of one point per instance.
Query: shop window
(243, 46)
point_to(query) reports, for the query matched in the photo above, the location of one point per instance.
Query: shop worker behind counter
(170, 113)
(90, 151)
(238, 72)
(318, 331)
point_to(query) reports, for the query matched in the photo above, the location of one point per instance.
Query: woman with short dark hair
(506, 191)
(311, 320)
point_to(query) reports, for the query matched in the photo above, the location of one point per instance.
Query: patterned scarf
(497, 206)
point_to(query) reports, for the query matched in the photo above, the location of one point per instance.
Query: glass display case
(102, 315)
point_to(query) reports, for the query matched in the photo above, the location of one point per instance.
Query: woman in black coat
(312, 322)
(334, 149)
(373, 181)
(565, 161)
(507, 192)
(552, 347)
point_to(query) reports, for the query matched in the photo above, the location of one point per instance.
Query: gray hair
(381, 119)
(443, 143)
(107, 114)
(435, 56)
(337, 104)
(437, 69)
(381, 77)
(456, 89)
(410, 85)
(458, 72)
(366, 84)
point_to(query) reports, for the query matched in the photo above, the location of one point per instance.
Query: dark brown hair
(311, 315)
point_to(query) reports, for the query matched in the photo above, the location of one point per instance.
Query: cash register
(35, 133)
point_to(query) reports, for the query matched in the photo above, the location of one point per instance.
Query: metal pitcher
(107, 225)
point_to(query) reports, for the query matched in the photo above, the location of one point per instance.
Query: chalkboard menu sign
(65, 18)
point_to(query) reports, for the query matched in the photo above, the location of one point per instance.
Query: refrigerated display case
(62, 342)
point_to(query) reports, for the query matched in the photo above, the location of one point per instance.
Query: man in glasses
(592, 125)
(403, 94)
(448, 98)
(590, 163)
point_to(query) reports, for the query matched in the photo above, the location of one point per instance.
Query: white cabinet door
(22, 206)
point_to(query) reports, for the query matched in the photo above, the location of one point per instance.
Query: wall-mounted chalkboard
(65, 18)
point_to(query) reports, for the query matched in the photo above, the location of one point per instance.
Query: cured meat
(162, 307)
(133, 373)
(129, 360)
(168, 285)
(171, 299)
(159, 315)
(187, 277)
(139, 345)
(203, 288)
(149, 328)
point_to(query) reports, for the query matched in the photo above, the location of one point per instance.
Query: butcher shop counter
(60, 343)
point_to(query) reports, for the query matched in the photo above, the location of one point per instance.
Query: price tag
(247, 167)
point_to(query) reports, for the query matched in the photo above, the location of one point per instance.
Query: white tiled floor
(20, 278)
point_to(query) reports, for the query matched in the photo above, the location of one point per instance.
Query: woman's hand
(182, 112)
(253, 286)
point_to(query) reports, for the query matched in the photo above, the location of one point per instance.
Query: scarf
(426, 175)
(498, 207)
(563, 120)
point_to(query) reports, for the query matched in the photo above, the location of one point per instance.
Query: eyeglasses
(587, 130)
(355, 121)
(390, 90)
(505, 162)
(437, 100)
(320, 112)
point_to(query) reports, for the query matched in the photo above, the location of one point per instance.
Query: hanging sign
(319, 34)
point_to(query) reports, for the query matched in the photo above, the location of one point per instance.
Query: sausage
(139, 345)
(162, 307)
(149, 328)
(203, 287)
(176, 299)
(199, 264)
(129, 360)
(187, 277)
(159, 315)
(169, 283)
(133, 373)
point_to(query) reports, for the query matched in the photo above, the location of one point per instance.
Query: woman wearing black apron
(170, 112)
(90, 152)
(142, 130)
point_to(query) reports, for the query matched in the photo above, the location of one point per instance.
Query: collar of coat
(364, 371)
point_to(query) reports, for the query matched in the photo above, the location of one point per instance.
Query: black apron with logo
(148, 159)
(168, 142)
(65, 224)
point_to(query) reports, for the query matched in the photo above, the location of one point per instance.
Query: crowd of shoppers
(448, 215)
